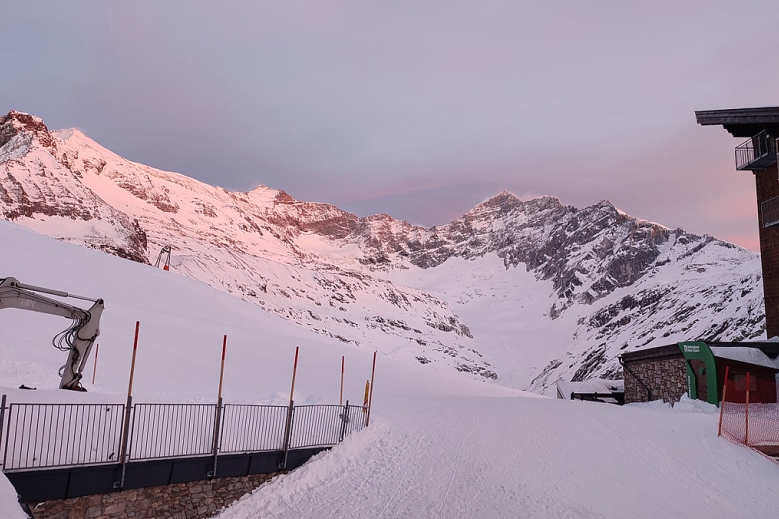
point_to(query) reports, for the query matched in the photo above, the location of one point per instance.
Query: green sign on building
(700, 351)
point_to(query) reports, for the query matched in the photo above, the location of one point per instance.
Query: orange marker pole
(294, 374)
(370, 398)
(94, 369)
(341, 397)
(222, 369)
(128, 407)
(132, 364)
(722, 404)
(217, 418)
(746, 422)
(288, 426)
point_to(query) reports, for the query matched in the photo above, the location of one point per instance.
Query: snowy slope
(532, 458)
(519, 292)
(440, 444)
(182, 324)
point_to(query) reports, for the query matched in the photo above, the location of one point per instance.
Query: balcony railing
(757, 153)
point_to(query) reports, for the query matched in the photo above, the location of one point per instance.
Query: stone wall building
(654, 374)
(694, 368)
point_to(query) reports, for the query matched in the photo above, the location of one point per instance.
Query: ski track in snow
(414, 457)
(503, 471)
(456, 466)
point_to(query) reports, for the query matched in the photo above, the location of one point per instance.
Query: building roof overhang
(769, 348)
(742, 122)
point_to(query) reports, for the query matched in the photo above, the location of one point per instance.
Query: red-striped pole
(128, 407)
(341, 397)
(722, 405)
(222, 369)
(746, 424)
(132, 365)
(94, 369)
(370, 398)
(294, 373)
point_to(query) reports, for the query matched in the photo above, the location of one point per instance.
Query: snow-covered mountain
(525, 292)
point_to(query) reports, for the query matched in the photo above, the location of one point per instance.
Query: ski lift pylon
(165, 250)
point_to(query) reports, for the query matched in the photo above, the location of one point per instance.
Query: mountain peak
(14, 123)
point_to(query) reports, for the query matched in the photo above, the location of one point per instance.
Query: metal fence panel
(171, 430)
(57, 435)
(253, 428)
(316, 425)
(54, 435)
(355, 419)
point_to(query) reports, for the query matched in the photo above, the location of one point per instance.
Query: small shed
(696, 368)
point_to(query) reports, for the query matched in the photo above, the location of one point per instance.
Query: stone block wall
(194, 500)
(666, 378)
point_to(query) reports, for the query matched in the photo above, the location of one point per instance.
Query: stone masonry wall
(194, 500)
(666, 378)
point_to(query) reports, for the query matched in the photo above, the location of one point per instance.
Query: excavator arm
(78, 339)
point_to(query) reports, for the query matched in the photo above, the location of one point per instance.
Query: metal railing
(756, 153)
(171, 430)
(37, 436)
(56, 435)
(316, 425)
(252, 428)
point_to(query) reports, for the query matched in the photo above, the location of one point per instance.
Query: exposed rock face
(614, 281)
(38, 179)
(587, 253)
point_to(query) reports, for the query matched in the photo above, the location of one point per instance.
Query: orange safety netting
(750, 412)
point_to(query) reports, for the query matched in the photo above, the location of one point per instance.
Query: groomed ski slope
(466, 457)
(440, 444)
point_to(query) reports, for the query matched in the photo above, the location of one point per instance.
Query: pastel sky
(419, 109)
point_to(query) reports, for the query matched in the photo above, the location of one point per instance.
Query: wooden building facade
(758, 154)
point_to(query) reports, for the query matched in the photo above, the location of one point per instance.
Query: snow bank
(9, 506)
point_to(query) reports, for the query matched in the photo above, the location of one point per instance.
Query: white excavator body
(78, 339)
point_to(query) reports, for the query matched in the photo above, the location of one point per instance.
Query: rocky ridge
(614, 281)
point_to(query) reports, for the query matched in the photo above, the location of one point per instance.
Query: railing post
(125, 440)
(345, 419)
(217, 436)
(287, 435)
